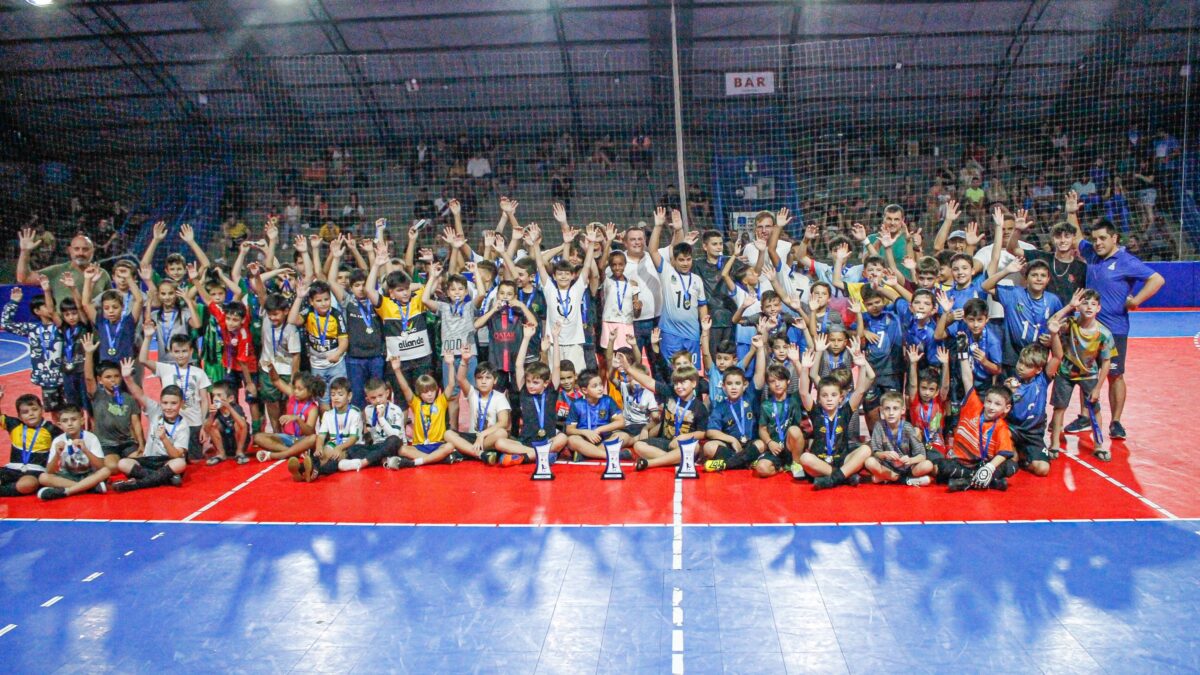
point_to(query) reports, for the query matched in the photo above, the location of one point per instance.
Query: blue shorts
(288, 439)
(428, 448)
(676, 343)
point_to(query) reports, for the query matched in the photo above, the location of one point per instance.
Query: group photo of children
(960, 360)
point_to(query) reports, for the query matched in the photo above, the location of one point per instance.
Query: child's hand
(193, 271)
(160, 230)
(856, 352)
(656, 335)
(821, 342)
(612, 338)
(557, 330)
(757, 342)
(978, 353)
(395, 362)
(973, 236)
(1017, 265)
(127, 367)
(92, 272)
(944, 301)
(765, 324)
(1053, 326)
(186, 233)
(705, 325)
(89, 342)
(858, 232)
(912, 353)
(148, 327)
(448, 356)
(16, 294)
(1076, 298)
(943, 354)
(856, 307)
(592, 436)
(793, 352)
(809, 359)
(67, 279)
(768, 272)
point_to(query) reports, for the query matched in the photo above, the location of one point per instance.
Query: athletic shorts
(882, 383)
(1030, 445)
(121, 450)
(73, 476)
(428, 448)
(53, 400)
(1060, 396)
(267, 391)
(469, 437)
(778, 461)
(288, 439)
(574, 354)
(634, 429)
(677, 343)
(8, 475)
(153, 463)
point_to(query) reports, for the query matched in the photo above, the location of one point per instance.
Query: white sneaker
(262, 455)
(351, 465)
(391, 463)
(917, 482)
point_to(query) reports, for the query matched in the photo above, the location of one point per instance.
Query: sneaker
(1116, 431)
(917, 482)
(714, 465)
(960, 484)
(642, 464)
(797, 471)
(176, 480)
(49, 493)
(511, 460)
(454, 457)
(242, 459)
(124, 486)
(392, 463)
(998, 483)
(824, 483)
(626, 455)
(101, 489)
(294, 469)
(213, 461)
(1080, 425)
(853, 480)
(262, 455)
(490, 457)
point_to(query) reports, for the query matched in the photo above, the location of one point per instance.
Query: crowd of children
(906, 366)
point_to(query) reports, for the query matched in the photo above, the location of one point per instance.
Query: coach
(1113, 272)
(80, 253)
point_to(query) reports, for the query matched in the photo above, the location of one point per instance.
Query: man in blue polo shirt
(1113, 272)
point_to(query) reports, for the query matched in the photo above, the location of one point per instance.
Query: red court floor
(1151, 476)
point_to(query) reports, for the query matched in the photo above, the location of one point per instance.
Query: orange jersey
(996, 438)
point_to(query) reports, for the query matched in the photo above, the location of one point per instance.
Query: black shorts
(195, 450)
(1030, 444)
(778, 461)
(1060, 393)
(8, 475)
(468, 436)
(53, 400)
(153, 463)
(121, 450)
(881, 384)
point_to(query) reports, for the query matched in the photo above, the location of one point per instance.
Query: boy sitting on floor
(76, 462)
(164, 459)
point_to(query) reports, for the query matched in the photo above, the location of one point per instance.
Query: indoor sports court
(237, 125)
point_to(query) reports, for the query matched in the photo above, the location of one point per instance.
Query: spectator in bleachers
(353, 213)
(1147, 194)
(602, 152)
(420, 164)
(423, 206)
(670, 199)
(641, 157)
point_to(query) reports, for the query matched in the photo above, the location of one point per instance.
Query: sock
(724, 452)
(419, 461)
(9, 490)
(738, 460)
(350, 464)
(154, 479)
(837, 476)
(138, 472)
(255, 426)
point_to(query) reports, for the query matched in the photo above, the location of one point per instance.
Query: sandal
(1103, 455)
(213, 461)
(242, 459)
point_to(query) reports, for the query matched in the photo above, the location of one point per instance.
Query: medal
(112, 351)
(322, 328)
(366, 312)
(681, 411)
(564, 304)
(539, 406)
(830, 434)
(108, 334)
(482, 411)
(541, 433)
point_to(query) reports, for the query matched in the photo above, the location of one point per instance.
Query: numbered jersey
(1025, 318)
(682, 297)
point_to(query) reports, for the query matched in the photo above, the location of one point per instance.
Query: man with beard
(79, 252)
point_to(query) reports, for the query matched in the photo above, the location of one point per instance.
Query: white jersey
(339, 426)
(378, 426)
(566, 306)
(794, 282)
(648, 283)
(683, 295)
(279, 345)
(618, 301)
(74, 458)
(486, 410)
(984, 256)
(192, 380)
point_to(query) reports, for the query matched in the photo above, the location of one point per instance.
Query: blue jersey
(682, 296)
(988, 341)
(585, 415)
(920, 334)
(1026, 319)
(1029, 404)
(960, 296)
(736, 418)
(882, 355)
(1113, 278)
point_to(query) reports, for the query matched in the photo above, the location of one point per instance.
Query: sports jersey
(177, 431)
(378, 426)
(30, 450)
(299, 409)
(321, 334)
(1083, 350)
(429, 419)
(928, 419)
(537, 420)
(587, 415)
(736, 418)
(1029, 403)
(906, 440)
(167, 324)
(882, 354)
(976, 439)
(117, 340)
(45, 347)
(637, 402)
(973, 290)
(279, 345)
(618, 300)
(457, 322)
(1026, 318)
(918, 333)
(988, 341)
(238, 346)
(74, 458)
(339, 427)
(363, 326)
(192, 380)
(682, 297)
(566, 306)
(830, 433)
(405, 331)
(506, 329)
(777, 416)
(680, 417)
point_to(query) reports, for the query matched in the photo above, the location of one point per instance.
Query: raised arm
(431, 286)
(865, 378)
(952, 213)
(189, 237)
(159, 234)
(660, 219)
(131, 385)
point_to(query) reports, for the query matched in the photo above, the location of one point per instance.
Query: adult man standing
(893, 226)
(79, 252)
(1113, 271)
(640, 267)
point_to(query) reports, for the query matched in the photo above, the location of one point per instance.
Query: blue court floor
(1112, 597)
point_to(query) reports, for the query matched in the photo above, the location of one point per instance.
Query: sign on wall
(748, 84)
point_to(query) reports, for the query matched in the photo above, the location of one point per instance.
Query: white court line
(1140, 497)
(7, 628)
(677, 592)
(230, 493)
(760, 526)
(52, 601)
(24, 346)
(92, 577)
